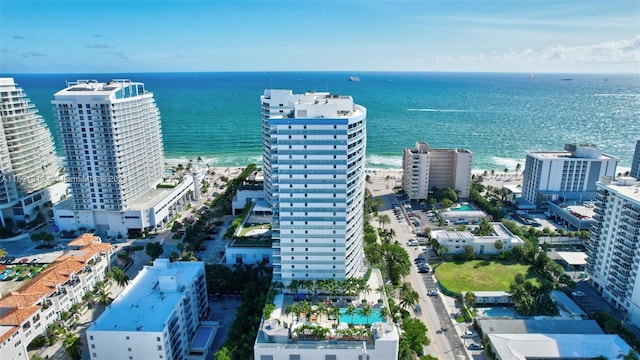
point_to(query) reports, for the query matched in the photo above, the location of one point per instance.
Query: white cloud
(610, 52)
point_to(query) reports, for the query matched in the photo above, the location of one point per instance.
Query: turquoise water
(500, 312)
(359, 319)
(496, 116)
(463, 208)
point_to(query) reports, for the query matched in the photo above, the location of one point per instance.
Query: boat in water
(354, 78)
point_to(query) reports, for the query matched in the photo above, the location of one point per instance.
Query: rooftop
(558, 346)
(20, 305)
(156, 290)
(321, 329)
(115, 89)
(627, 187)
(531, 326)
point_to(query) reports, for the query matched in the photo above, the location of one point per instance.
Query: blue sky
(43, 36)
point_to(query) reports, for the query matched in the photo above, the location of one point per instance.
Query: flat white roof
(573, 257)
(143, 305)
(558, 346)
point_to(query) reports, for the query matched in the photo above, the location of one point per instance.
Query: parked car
(476, 346)
(577, 293)
(469, 334)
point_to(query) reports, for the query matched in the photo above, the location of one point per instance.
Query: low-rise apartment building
(26, 313)
(457, 241)
(159, 315)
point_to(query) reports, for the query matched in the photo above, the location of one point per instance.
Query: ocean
(496, 116)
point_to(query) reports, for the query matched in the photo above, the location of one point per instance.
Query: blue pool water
(358, 318)
(464, 207)
(500, 312)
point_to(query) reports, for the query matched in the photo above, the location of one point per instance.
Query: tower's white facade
(613, 249)
(635, 162)
(314, 160)
(112, 140)
(28, 163)
(571, 174)
(426, 168)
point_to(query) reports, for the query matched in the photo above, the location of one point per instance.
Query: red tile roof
(22, 303)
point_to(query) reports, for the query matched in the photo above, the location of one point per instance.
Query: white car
(469, 334)
(577, 293)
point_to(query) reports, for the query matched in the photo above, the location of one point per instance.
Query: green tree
(223, 354)
(484, 229)
(414, 335)
(469, 253)
(3, 252)
(366, 311)
(470, 299)
(383, 220)
(351, 310)
(118, 276)
(72, 345)
(446, 203)
(154, 250)
(499, 244)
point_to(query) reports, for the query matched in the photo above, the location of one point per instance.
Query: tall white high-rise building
(571, 174)
(28, 163)
(426, 168)
(112, 140)
(635, 163)
(314, 160)
(613, 249)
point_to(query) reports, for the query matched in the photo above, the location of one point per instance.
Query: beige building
(426, 168)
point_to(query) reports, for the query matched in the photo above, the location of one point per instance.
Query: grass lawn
(479, 275)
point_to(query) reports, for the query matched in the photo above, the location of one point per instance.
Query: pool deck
(280, 325)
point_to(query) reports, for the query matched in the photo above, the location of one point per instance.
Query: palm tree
(103, 298)
(119, 276)
(321, 310)
(292, 309)
(3, 252)
(334, 311)
(305, 307)
(384, 313)
(518, 167)
(386, 179)
(470, 299)
(293, 286)
(351, 310)
(365, 289)
(384, 219)
(189, 256)
(307, 285)
(366, 311)
(72, 345)
(409, 299)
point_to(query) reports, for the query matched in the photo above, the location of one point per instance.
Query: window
(94, 355)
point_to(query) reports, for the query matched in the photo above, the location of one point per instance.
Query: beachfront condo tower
(635, 163)
(613, 248)
(29, 169)
(569, 175)
(426, 168)
(111, 137)
(313, 158)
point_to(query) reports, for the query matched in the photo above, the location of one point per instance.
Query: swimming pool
(500, 312)
(463, 207)
(358, 318)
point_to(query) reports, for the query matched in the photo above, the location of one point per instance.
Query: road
(443, 331)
